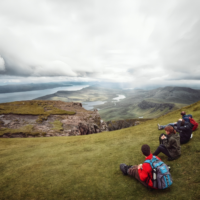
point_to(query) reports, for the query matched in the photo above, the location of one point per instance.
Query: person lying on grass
(142, 172)
(169, 144)
(182, 127)
(185, 117)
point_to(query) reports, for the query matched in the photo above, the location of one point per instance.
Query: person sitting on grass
(185, 130)
(142, 172)
(169, 144)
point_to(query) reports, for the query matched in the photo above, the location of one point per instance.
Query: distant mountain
(138, 103)
(30, 87)
(149, 103)
(175, 94)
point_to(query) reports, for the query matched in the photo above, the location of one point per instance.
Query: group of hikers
(153, 172)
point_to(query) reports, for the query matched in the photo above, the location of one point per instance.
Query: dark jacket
(185, 131)
(172, 144)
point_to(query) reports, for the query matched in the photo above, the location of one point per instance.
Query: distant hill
(138, 103)
(30, 87)
(149, 103)
(175, 94)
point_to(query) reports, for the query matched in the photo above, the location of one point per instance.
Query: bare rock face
(120, 124)
(84, 122)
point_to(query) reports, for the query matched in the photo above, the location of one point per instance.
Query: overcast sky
(140, 41)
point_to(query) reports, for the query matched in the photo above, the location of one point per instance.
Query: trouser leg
(162, 149)
(133, 171)
(171, 124)
(163, 126)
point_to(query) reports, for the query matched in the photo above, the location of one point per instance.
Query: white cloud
(117, 40)
(2, 64)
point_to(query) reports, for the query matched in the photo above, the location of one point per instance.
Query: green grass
(26, 130)
(57, 125)
(36, 107)
(117, 113)
(87, 167)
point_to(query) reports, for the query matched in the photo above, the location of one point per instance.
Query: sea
(30, 95)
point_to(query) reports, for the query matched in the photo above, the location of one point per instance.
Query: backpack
(194, 123)
(161, 175)
(187, 117)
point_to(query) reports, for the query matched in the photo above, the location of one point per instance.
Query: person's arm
(143, 174)
(169, 143)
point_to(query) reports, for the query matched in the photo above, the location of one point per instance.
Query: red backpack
(194, 123)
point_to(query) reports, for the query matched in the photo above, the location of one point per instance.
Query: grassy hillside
(121, 111)
(87, 167)
(38, 107)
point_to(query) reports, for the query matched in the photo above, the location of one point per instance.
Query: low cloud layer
(2, 64)
(143, 42)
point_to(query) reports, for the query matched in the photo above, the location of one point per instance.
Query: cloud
(2, 64)
(131, 40)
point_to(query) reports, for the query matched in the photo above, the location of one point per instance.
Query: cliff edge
(48, 118)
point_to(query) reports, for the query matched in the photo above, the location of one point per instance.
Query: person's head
(169, 130)
(146, 149)
(183, 113)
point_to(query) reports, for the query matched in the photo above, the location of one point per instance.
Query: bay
(30, 95)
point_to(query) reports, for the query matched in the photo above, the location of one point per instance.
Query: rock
(83, 122)
(137, 123)
(120, 124)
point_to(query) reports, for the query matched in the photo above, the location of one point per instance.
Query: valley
(134, 104)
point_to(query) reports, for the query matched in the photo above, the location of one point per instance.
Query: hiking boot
(159, 127)
(124, 168)
(170, 159)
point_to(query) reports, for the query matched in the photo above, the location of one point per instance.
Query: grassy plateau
(32, 108)
(87, 167)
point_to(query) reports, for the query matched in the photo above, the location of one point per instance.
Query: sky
(143, 42)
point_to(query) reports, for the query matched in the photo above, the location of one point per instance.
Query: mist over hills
(175, 94)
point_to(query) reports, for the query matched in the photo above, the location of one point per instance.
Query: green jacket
(172, 143)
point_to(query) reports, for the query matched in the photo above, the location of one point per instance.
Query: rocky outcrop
(157, 106)
(120, 124)
(83, 122)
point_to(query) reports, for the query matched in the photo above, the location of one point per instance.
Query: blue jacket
(186, 117)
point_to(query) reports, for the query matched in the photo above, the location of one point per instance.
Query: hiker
(142, 172)
(185, 130)
(182, 127)
(161, 127)
(186, 117)
(169, 144)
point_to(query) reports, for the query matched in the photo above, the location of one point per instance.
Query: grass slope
(87, 167)
(32, 108)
